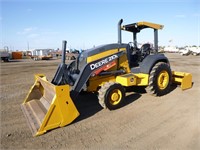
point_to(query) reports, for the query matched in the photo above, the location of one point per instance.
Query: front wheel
(159, 79)
(111, 95)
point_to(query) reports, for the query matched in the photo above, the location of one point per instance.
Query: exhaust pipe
(119, 31)
(64, 43)
(61, 76)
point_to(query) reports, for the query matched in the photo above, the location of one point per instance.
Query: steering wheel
(146, 49)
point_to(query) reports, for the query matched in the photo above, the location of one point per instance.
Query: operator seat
(138, 55)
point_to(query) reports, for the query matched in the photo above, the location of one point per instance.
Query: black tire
(111, 95)
(159, 79)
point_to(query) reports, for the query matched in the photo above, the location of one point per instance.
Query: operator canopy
(136, 27)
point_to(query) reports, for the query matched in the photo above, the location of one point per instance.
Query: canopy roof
(136, 27)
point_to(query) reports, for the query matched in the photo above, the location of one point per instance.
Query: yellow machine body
(122, 61)
(48, 106)
(97, 81)
(183, 79)
(132, 79)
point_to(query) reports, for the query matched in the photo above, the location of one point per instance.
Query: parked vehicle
(195, 50)
(42, 54)
(4, 53)
(184, 51)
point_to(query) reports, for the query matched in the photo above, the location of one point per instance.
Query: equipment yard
(171, 121)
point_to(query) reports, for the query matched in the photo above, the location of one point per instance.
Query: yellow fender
(182, 78)
(48, 106)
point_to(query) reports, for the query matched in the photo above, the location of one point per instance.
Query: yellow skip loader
(106, 69)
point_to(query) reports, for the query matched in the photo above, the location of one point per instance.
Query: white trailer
(42, 54)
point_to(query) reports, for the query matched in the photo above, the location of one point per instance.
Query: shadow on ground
(87, 104)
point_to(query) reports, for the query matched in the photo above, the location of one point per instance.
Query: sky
(32, 24)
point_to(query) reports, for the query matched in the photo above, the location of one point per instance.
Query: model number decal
(102, 62)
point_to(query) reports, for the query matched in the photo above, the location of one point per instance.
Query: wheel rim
(115, 97)
(163, 80)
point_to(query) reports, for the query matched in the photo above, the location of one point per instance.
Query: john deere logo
(103, 62)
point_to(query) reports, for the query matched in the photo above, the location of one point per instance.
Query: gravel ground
(144, 122)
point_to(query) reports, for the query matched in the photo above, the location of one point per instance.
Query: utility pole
(198, 30)
(28, 45)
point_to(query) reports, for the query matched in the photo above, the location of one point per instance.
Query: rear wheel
(159, 79)
(111, 95)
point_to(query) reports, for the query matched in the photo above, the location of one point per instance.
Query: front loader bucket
(48, 106)
(182, 78)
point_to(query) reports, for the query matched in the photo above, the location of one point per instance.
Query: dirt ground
(144, 122)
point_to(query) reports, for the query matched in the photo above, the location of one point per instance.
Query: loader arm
(87, 71)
